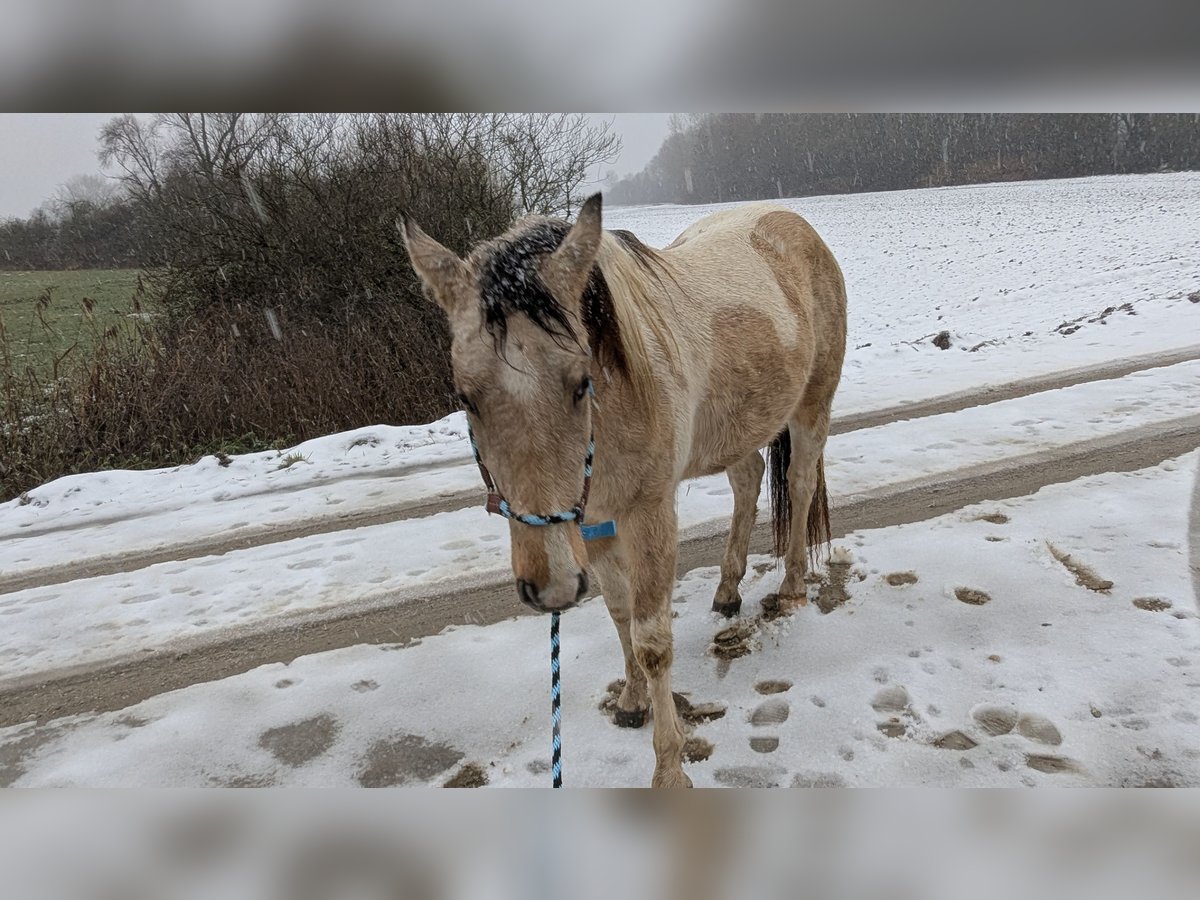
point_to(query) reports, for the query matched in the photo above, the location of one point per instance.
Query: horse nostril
(528, 593)
(583, 586)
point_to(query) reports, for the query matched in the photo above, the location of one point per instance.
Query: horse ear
(567, 269)
(446, 276)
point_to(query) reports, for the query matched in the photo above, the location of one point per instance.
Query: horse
(671, 364)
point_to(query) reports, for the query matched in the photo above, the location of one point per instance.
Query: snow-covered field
(1028, 279)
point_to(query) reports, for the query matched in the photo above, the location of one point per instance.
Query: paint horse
(698, 356)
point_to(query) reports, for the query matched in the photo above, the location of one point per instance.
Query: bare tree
(544, 159)
(94, 190)
(135, 148)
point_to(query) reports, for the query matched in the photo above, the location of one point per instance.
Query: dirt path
(220, 544)
(397, 619)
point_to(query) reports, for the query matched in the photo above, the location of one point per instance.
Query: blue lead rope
(607, 529)
(555, 705)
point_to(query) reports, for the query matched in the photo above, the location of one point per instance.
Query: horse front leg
(611, 567)
(652, 543)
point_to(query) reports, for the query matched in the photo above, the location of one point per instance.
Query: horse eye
(466, 404)
(583, 388)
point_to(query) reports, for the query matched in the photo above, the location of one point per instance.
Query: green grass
(34, 344)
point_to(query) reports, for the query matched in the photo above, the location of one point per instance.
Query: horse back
(764, 315)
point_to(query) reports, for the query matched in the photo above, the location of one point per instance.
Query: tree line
(89, 224)
(721, 157)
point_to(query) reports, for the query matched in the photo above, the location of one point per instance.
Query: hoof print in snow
(255, 780)
(894, 702)
(735, 641)
(817, 780)
(299, 742)
(697, 749)
(1038, 728)
(365, 685)
(971, 596)
(770, 712)
(955, 740)
(831, 592)
(405, 759)
(1152, 604)
(890, 699)
(773, 686)
(1053, 765)
(469, 776)
(898, 579)
(750, 776)
(995, 720)
(764, 744)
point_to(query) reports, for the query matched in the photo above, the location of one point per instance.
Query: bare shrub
(285, 307)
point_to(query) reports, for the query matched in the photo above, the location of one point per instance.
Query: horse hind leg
(745, 477)
(809, 509)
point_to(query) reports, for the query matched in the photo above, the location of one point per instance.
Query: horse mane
(618, 308)
(630, 269)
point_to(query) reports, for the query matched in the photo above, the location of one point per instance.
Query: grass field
(32, 343)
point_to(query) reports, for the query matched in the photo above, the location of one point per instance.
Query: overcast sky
(39, 152)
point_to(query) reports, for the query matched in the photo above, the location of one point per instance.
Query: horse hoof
(775, 606)
(728, 610)
(631, 718)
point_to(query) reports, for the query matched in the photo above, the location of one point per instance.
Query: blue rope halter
(499, 506)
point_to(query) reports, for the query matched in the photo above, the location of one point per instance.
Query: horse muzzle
(551, 601)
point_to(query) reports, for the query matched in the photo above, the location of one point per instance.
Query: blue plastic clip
(599, 530)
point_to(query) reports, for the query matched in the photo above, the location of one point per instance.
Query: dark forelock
(509, 281)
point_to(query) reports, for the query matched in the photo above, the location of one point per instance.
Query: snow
(380, 452)
(1106, 688)
(109, 617)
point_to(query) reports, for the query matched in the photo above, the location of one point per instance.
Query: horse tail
(818, 515)
(779, 457)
